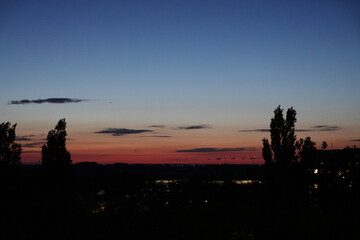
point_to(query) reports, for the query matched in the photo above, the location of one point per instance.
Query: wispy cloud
(123, 131)
(355, 140)
(24, 138)
(160, 136)
(47, 100)
(193, 127)
(326, 128)
(157, 126)
(319, 128)
(33, 145)
(202, 150)
(256, 130)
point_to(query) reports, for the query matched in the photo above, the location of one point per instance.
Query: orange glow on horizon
(150, 157)
(85, 146)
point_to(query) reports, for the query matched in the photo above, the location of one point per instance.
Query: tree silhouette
(307, 151)
(324, 145)
(282, 138)
(10, 152)
(54, 153)
(266, 152)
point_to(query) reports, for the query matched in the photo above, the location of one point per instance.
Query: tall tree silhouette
(283, 138)
(10, 152)
(54, 153)
(307, 151)
(58, 197)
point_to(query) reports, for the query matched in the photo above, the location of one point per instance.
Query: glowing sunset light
(178, 81)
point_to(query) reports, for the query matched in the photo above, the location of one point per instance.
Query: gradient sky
(203, 76)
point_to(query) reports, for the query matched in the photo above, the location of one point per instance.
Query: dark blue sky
(226, 64)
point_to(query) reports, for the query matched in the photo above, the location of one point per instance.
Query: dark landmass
(125, 201)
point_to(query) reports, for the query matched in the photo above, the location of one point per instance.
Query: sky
(178, 81)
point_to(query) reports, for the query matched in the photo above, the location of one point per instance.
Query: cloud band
(123, 131)
(203, 150)
(46, 100)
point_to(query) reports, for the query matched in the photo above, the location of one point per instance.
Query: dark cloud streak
(326, 128)
(33, 145)
(194, 127)
(157, 126)
(24, 138)
(203, 150)
(160, 136)
(47, 100)
(319, 128)
(256, 130)
(30, 151)
(123, 131)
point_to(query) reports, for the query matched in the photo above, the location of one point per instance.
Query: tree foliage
(324, 145)
(54, 153)
(266, 152)
(282, 148)
(10, 152)
(306, 151)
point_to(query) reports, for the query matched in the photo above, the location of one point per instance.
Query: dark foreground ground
(93, 201)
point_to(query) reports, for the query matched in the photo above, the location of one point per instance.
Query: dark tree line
(54, 152)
